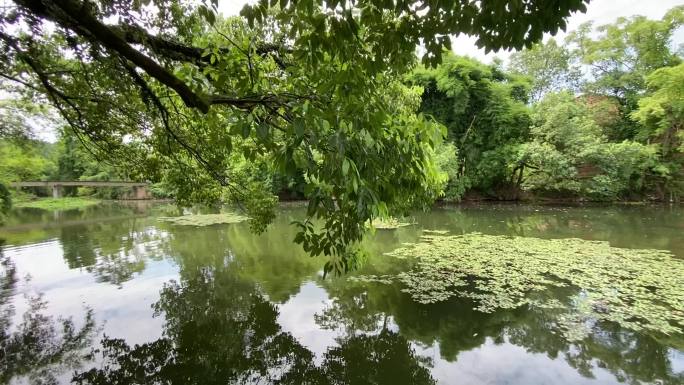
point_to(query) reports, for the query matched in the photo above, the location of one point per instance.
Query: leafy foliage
(484, 112)
(662, 117)
(620, 57)
(5, 201)
(590, 146)
(310, 89)
(549, 66)
(569, 152)
(29, 160)
(625, 52)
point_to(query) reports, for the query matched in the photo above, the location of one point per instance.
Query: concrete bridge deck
(140, 190)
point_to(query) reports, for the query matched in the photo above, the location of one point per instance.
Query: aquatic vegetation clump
(636, 288)
(390, 223)
(56, 204)
(201, 220)
(386, 279)
(436, 232)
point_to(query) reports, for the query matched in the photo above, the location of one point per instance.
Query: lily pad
(637, 288)
(204, 219)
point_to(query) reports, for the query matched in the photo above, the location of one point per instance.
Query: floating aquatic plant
(390, 223)
(56, 204)
(636, 288)
(436, 232)
(205, 219)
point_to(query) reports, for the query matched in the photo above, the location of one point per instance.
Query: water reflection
(269, 259)
(637, 226)
(220, 330)
(38, 347)
(221, 319)
(456, 328)
(114, 252)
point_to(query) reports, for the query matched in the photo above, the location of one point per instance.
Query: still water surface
(158, 303)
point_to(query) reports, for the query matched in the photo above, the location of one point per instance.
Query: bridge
(139, 189)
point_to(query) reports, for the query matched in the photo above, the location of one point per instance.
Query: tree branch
(76, 16)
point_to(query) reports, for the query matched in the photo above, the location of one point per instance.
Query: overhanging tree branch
(77, 16)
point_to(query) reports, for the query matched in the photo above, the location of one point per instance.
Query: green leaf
(345, 167)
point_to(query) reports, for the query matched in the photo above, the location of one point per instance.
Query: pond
(110, 294)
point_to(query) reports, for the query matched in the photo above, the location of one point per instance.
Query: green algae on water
(201, 220)
(435, 232)
(638, 289)
(56, 204)
(390, 223)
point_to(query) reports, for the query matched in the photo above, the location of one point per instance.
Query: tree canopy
(310, 88)
(602, 119)
(483, 109)
(549, 66)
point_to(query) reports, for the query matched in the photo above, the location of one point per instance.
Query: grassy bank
(54, 204)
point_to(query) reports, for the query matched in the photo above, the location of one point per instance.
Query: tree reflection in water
(631, 357)
(219, 329)
(40, 347)
(114, 252)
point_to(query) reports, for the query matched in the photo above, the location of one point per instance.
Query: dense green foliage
(309, 91)
(484, 112)
(325, 101)
(661, 115)
(67, 160)
(30, 160)
(598, 118)
(5, 202)
(548, 66)
(569, 153)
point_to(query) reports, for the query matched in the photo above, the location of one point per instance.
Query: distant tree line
(599, 117)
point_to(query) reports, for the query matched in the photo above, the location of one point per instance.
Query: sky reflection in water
(221, 305)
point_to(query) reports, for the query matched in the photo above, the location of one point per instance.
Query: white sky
(598, 11)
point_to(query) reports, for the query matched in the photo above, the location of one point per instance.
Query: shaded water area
(151, 302)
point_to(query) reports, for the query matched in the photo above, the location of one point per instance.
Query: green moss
(636, 288)
(54, 204)
(205, 219)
